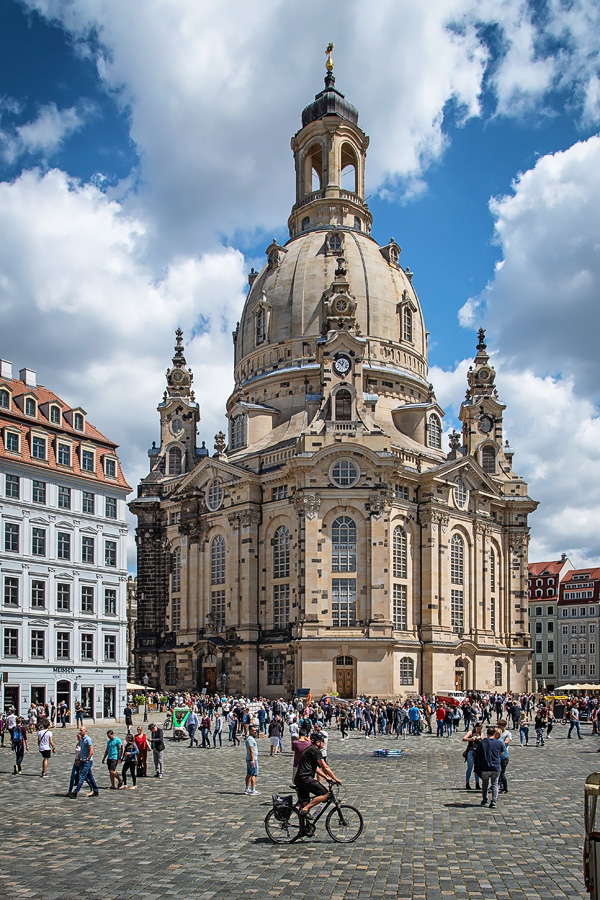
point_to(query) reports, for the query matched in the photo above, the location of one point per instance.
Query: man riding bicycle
(305, 780)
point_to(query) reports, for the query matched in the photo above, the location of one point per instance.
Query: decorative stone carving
(308, 504)
(377, 504)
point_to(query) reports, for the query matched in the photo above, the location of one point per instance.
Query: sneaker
(247, 791)
(492, 805)
(467, 786)
(483, 803)
(254, 793)
(45, 776)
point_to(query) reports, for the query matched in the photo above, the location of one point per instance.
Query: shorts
(112, 764)
(251, 768)
(46, 753)
(308, 786)
(274, 742)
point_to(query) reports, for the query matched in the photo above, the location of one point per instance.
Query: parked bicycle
(287, 821)
(168, 723)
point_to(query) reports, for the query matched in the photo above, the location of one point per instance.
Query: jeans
(574, 724)
(74, 777)
(440, 728)
(487, 776)
(205, 738)
(502, 782)
(449, 728)
(85, 774)
(191, 730)
(470, 764)
(217, 734)
(414, 726)
(524, 734)
(19, 749)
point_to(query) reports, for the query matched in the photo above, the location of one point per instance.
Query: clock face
(484, 374)
(176, 425)
(342, 365)
(341, 305)
(177, 376)
(485, 424)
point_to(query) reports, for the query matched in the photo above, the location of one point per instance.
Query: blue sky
(145, 166)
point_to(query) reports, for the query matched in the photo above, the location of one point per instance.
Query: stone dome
(291, 289)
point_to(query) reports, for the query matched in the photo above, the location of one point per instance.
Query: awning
(139, 687)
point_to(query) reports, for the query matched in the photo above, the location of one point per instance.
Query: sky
(145, 166)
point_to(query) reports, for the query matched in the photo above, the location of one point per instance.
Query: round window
(344, 473)
(460, 493)
(214, 495)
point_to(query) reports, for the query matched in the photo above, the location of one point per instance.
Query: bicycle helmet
(317, 736)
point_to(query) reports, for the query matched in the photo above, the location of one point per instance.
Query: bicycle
(168, 723)
(287, 821)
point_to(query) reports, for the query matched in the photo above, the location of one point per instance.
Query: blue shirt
(113, 746)
(251, 742)
(86, 748)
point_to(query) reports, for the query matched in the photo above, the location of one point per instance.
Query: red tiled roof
(16, 419)
(553, 567)
(592, 574)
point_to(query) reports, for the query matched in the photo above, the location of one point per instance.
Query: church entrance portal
(344, 676)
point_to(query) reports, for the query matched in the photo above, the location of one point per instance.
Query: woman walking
(218, 730)
(141, 742)
(130, 755)
(524, 723)
(45, 746)
(472, 738)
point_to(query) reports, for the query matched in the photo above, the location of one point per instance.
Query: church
(330, 541)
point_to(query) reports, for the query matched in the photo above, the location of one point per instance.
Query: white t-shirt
(11, 720)
(44, 740)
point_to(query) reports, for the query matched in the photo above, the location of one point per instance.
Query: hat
(151, 725)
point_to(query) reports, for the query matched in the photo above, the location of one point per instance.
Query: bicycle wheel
(344, 824)
(168, 724)
(283, 831)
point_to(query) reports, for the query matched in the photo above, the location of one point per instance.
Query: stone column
(379, 559)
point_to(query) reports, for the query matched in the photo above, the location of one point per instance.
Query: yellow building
(330, 542)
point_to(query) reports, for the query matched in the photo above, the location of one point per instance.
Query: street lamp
(145, 698)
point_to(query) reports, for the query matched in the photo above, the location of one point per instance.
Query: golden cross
(329, 63)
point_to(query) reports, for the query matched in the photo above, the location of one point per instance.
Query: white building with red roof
(578, 624)
(543, 587)
(63, 554)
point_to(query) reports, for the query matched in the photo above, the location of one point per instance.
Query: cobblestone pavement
(195, 834)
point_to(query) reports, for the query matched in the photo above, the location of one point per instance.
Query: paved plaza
(195, 834)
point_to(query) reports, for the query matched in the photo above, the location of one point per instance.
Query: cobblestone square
(194, 834)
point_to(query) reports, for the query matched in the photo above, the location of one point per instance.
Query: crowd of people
(483, 719)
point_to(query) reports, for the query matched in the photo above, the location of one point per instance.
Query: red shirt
(141, 741)
(299, 747)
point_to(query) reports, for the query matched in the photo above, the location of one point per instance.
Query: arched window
(176, 570)
(4, 399)
(492, 571)
(313, 169)
(171, 672)
(305, 223)
(343, 541)
(457, 559)
(217, 560)
(175, 461)
(261, 326)
(30, 406)
(349, 169)
(488, 459)
(343, 406)
(399, 552)
(281, 553)
(407, 332)
(238, 431)
(357, 223)
(434, 433)
(407, 670)
(498, 674)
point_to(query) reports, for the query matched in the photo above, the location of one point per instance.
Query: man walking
(157, 742)
(575, 723)
(191, 726)
(251, 762)
(45, 746)
(18, 737)
(112, 755)
(85, 767)
(488, 766)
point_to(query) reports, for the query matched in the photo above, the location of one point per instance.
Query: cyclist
(311, 761)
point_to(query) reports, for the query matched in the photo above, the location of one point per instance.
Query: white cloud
(541, 308)
(45, 134)
(95, 321)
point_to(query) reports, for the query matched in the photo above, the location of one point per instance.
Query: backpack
(479, 759)
(16, 735)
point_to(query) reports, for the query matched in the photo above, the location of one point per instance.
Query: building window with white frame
(63, 645)
(110, 554)
(217, 609)
(457, 610)
(38, 644)
(38, 541)
(87, 598)
(87, 461)
(55, 415)
(457, 559)
(11, 590)
(407, 323)
(110, 507)
(87, 502)
(238, 431)
(110, 601)
(11, 441)
(217, 560)
(87, 645)
(407, 670)
(399, 607)
(261, 325)
(343, 545)
(176, 571)
(11, 641)
(63, 455)
(30, 407)
(343, 602)
(399, 553)
(78, 422)
(281, 553)
(175, 461)
(434, 432)
(281, 606)
(87, 549)
(13, 487)
(63, 596)
(11, 537)
(110, 647)
(64, 497)
(38, 447)
(110, 468)
(38, 594)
